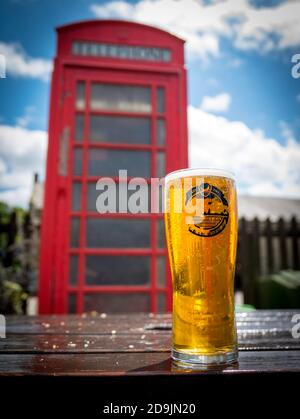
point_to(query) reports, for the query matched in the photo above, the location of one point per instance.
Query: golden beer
(201, 229)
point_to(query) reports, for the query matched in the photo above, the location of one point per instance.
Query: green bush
(280, 290)
(12, 295)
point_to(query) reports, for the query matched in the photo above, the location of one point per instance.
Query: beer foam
(199, 172)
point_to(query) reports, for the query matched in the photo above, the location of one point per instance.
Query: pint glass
(201, 230)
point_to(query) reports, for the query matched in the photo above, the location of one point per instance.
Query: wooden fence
(265, 247)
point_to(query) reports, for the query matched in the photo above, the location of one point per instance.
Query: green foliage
(279, 290)
(4, 219)
(4, 208)
(12, 295)
(12, 275)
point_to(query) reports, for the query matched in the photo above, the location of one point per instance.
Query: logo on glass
(215, 216)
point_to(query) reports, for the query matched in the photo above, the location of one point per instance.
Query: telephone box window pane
(92, 195)
(77, 162)
(160, 96)
(123, 233)
(109, 162)
(158, 198)
(161, 132)
(73, 270)
(80, 95)
(119, 129)
(79, 127)
(161, 242)
(121, 202)
(122, 98)
(117, 270)
(72, 300)
(161, 271)
(161, 303)
(117, 303)
(160, 168)
(76, 196)
(75, 223)
(94, 49)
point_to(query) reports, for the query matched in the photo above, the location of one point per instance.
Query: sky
(244, 103)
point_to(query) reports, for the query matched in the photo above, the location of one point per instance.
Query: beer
(201, 229)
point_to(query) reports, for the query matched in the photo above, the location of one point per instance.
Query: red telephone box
(118, 101)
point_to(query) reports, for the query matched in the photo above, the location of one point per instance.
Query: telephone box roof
(88, 23)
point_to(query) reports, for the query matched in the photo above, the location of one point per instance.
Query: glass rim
(199, 171)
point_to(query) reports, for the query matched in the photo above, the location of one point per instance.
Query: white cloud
(286, 131)
(235, 63)
(18, 197)
(19, 64)
(211, 81)
(179, 17)
(22, 152)
(203, 24)
(218, 103)
(27, 118)
(262, 165)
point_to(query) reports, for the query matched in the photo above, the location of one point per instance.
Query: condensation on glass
(117, 233)
(105, 162)
(109, 270)
(119, 129)
(120, 97)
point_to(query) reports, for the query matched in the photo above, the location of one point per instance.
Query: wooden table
(129, 355)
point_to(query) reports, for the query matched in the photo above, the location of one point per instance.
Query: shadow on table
(168, 366)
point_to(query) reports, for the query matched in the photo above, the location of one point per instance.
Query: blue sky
(238, 56)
